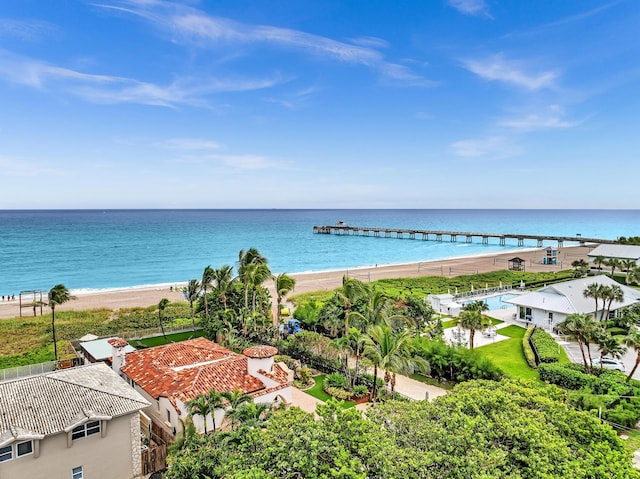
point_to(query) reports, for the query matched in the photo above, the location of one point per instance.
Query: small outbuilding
(516, 264)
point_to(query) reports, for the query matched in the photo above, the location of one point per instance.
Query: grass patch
(512, 331)
(449, 324)
(508, 356)
(171, 338)
(317, 392)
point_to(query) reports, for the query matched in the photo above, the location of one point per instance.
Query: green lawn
(508, 355)
(171, 338)
(317, 392)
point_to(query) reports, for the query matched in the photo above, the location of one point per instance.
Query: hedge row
(565, 377)
(526, 348)
(547, 348)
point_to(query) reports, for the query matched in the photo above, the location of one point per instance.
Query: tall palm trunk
(206, 303)
(635, 366)
(374, 390)
(53, 331)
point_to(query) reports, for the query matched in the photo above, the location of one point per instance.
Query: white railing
(28, 370)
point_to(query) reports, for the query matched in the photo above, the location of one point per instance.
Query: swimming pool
(495, 302)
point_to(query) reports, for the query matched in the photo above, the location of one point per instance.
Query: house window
(24, 448)
(77, 473)
(550, 317)
(86, 429)
(168, 415)
(6, 453)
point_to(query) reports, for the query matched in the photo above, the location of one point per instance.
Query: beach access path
(322, 281)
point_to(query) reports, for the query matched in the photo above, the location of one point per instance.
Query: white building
(552, 304)
(614, 251)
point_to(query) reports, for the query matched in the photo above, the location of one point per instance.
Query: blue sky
(307, 104)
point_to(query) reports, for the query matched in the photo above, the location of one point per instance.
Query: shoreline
(148, 295)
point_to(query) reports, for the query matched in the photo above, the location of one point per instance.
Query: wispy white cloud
(497, 68)
(490, 148)
(25, 29)
(113, 89)
(294, 100)
(470, 7)
(247, 162)
(563, 22)
(24, 168)
(189, 144)
(550, 118)
(190, 24)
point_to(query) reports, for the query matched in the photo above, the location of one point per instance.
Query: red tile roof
(260, 352)
(186, 369)
(118, 342)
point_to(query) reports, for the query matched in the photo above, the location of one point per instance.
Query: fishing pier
(436, 235)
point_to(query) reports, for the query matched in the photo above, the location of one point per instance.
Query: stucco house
(552, 304)
(170, 376)
(614, 251)
(74, 423)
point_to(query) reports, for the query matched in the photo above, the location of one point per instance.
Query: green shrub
(337, 393)
(567, 378)
(304, 375)
(547, 348)
(526, 348)
(360, 391)
(336, 380)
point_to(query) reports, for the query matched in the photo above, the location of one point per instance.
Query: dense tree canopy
(483, 429)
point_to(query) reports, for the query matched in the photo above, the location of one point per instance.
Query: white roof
(568, 297)
(620, 251)
(100, 349)
(88, 337)
(51, 403)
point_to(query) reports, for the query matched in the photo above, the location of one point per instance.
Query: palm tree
(613, 263)
(613, 293)
(351, 290)
(583, 328)
(257, 273)
(191, 294)
(633, 341)
(250, 415)
(627, 265)
(249, 272)
(223, 278)
(200, 406)
(391, 352)
(599, 261)
(284, 284)
(594, 291)
(633, 276)
(207, 277)
(472, 320)
(161, 307)
(59, 294)
(235, 399)
(608, 345)
(216, 401)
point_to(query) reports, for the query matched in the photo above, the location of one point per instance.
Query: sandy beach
(327, 280)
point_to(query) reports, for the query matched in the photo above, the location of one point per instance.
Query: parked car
(609, 363)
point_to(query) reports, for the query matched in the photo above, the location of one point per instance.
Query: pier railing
(438, 235)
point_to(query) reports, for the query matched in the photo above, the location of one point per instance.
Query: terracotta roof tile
(189, 368)
(118, 342)
(260, 352)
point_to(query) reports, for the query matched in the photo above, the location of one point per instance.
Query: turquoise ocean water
(96, 249)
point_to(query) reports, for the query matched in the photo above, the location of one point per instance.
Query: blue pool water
(497, 302)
